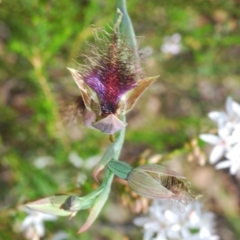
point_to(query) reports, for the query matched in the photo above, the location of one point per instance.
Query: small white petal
(61, 235)
(210, 138)
(161, 236)
(236, 134)
(214, 237)
(43, 161)
(75, 160)
(223, 164)
(224, 132)
(172, 44)
(235, 167)
(234, 152)
(171, 216)
(140, 221)
(40, 229)
(175, 228)
(231, 141)
(194, 219)
(217, 116)
(204, 233)
(229, 106)
(216, 154)
(26, 222)
(236, 108)
(174, 231)
(92, 161)
(148, 235)
(151, 225)
(187, 235)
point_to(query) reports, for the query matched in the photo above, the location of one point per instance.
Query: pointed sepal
(128, 99)
(89, 96)
(53, 205)
(96, 209)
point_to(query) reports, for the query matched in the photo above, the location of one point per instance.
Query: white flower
(165, 222)
(43, 161)
(172, 44)
(227, 119)
(227, 143)
(75, 160)
(236, 133)
(222, 143)
(78, 162)
(86, 164)
(33, 224)
(233, 160)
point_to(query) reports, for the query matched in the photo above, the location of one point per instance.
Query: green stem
(108, 177)
(119, 143)
(105, 188)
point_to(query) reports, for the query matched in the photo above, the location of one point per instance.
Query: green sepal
(119, 168)
(99, 202)
(52, 205)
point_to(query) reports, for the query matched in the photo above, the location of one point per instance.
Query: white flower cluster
(33, 225)
(227, 142)
(172, 44)
(166, 222)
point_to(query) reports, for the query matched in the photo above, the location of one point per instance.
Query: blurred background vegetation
(39, 39)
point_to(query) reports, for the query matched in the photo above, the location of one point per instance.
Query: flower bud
(157, 182)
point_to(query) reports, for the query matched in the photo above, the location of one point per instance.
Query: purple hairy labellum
(110, 82)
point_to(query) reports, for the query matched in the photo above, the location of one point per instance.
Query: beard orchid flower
(110, 83)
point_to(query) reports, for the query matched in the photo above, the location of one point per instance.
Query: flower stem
(102, 193)
(119, 144)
